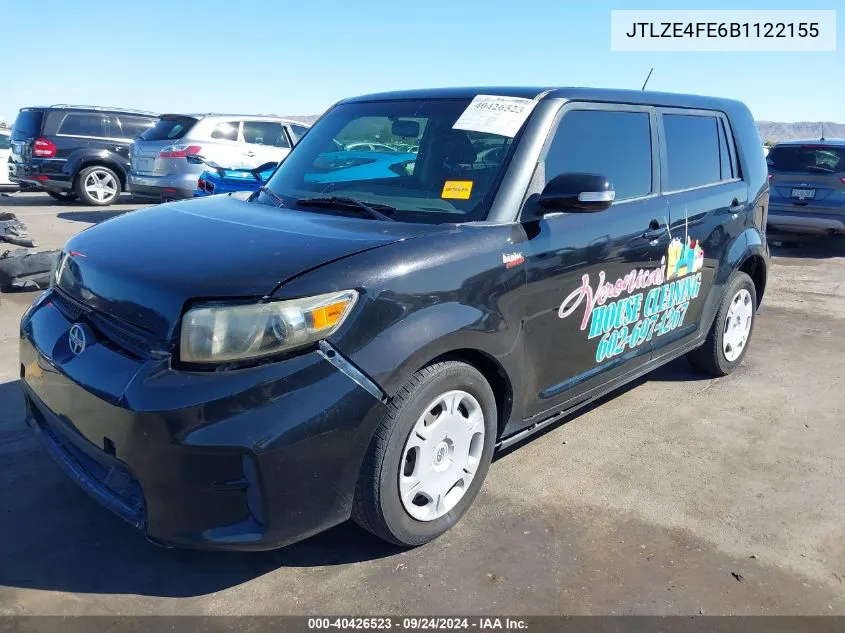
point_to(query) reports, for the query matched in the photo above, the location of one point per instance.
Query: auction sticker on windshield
(457, 190)
(495, 115)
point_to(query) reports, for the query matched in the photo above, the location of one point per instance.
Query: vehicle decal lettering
(456, 190)
(656, 303)
(511, 260)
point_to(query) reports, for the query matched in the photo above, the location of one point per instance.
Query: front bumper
(248, 459)
(169, 187)
(815, 220)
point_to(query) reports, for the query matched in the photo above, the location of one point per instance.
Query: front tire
(429, 456)
(98, 186)
(728, 339)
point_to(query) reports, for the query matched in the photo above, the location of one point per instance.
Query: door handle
(654, 232)
(117, 148)
(250, 154)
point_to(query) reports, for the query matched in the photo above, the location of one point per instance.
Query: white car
(5, 153)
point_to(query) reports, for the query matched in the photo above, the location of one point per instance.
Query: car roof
(92, 108)
(827, 142)
(242, 117)
(635, 97)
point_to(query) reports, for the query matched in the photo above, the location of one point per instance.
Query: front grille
(109, 481)
(114, 332)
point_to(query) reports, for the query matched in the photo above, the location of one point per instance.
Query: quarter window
(265, 133)
(227, 131)
(694, 151)
(613, 144)
(130, 126)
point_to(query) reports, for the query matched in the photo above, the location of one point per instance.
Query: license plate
(804, 194)
(144, 164)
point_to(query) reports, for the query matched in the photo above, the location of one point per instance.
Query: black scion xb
(429, 276)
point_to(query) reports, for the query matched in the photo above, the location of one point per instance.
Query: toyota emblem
(76, 338)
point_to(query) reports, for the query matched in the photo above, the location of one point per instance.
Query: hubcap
(441, 455)
(737, 325)
(101, 185)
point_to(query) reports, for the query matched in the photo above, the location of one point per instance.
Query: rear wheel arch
(755, 267)
(100, 162)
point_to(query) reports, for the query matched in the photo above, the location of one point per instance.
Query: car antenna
(822, 138)
(647, 78)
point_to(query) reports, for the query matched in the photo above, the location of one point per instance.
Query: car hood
(144, 266)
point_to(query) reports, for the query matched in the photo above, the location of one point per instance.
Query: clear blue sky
(299, 58)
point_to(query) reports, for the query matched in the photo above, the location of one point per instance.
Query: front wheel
(98, 186)
(429, 456)
(728, 339)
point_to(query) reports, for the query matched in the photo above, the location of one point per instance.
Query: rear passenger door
(708, 204)
(264, 142)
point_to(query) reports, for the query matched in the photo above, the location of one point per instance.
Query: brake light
(179, 151)
(201, 184)
(43, 148)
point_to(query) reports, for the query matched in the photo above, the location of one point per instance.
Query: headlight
(224, 333)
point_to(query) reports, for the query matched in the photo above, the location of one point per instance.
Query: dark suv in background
(75, 151)
(807, 181)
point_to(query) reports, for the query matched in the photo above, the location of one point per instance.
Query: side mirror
(578, 193)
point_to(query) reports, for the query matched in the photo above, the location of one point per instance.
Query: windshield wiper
(369, 208)
(272, 195)
(826, 170)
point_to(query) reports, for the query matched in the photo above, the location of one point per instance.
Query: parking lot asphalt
(680, 495)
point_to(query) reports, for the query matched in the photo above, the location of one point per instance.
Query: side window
(4, 142)
(226, 131)
(693, 154)
(130, 126)
(613, 144)
(83, 124)
(298, 131)
(265, 133)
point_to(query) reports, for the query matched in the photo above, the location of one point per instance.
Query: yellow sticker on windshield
(457, 190)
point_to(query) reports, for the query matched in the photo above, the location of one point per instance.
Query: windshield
(811, 159)
(402, 155)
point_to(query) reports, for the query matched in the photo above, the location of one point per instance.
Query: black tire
(710, 357)
(104, 174)
(377, 506)
(68, 196)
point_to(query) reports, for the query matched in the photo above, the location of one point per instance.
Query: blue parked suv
(807, 181)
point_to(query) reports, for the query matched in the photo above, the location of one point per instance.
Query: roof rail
(102, 108)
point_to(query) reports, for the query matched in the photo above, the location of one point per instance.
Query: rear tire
(729, 337)
(429, 456)
(98, 186)
(69, 196)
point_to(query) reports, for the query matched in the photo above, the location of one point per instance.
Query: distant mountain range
(773, 131)
(769, 130)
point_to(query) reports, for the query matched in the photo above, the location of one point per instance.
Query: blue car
(349, 165)
(222, 180)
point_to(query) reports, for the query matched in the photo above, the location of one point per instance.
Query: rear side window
(27, 125)
(807, 159)
(693, 154)
(265, 133)
(168, 129)
(84, 124)
(298, 132)
(614, 144)
(131, 126)
(4, 142)
(226, 131)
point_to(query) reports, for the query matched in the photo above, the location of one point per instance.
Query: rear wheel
(98, 185)
(429, 456)
(69, 196)
(728, 339)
